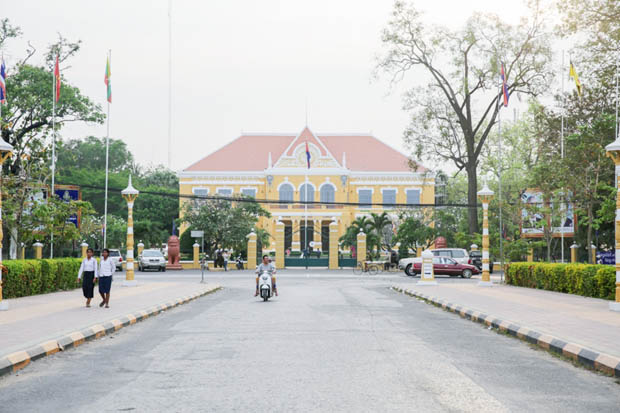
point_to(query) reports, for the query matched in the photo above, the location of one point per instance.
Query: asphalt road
(328, 343)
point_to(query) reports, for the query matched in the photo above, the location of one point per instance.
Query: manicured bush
(66, 276)
(581, 279)
(31, 277)
(49, 270)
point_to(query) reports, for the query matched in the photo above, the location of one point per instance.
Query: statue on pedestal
(174, 253)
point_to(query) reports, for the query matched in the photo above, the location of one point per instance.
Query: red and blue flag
(308, 155)
(505, 93)
(2, 82)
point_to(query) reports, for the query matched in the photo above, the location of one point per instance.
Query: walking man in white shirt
(106, 270)
(89, 269)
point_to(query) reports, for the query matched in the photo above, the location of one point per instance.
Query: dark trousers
(88, 284)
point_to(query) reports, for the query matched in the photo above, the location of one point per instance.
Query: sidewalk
(574, 320)
(33, 320)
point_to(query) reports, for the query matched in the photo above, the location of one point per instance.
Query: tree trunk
(13, 244)
(589, 235)
(472, 198)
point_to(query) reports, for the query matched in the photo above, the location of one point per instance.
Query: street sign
(197, 234)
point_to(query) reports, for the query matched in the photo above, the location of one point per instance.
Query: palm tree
(379, 224)
(359, 224)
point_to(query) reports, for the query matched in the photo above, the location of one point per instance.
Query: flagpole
(306, 224)
(51, 195)
(563, 219)
(169, 84)
(107, 157)
(501, 229)
(616, 128)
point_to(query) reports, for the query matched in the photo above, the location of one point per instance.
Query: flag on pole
(108, 79)
(57, 77)
(308, 155)
(2, 82)
(505, 93)
(572, 72)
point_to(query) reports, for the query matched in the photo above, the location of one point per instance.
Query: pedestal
(422, 282)
(614, 306)
(485, 283)
(130, 283)
(173, 267)
(4, 305)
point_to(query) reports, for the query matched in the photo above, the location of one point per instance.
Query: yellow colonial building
(354, 170)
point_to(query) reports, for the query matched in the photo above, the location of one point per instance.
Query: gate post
(361, 247)
(573, 252)
(530, 254)
(196, 247)
(38, 250)
(251, 250)
(279, 244)
(333, 245)
(84, 246)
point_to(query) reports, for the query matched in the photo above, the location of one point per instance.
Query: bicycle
(370, 268)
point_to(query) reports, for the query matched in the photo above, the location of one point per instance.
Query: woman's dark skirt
(105, 283)
(88, 285)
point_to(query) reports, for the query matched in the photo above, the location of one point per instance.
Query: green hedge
(31, 277)
(597, 281)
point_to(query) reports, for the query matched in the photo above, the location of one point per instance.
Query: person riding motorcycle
(268, 267)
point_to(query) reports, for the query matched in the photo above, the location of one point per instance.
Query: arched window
(286, 192)
(327, 193)
(310, 193)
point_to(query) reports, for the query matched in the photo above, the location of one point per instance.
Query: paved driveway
(330, 342)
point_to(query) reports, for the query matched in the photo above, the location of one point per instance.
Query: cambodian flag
(2, 83)
(308, 154)
(505, 87)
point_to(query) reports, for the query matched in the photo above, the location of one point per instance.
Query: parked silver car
(151, 259)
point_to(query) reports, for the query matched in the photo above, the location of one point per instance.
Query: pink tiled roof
(251, 152)
(367, 153)
(246, 153)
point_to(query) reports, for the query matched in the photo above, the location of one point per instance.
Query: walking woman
(89, 270)
(106, 270)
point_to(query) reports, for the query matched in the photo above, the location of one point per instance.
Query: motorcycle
(265, 288)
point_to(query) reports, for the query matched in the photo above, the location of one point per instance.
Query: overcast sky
(238, 66)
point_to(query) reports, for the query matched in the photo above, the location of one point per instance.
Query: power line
(282, 202)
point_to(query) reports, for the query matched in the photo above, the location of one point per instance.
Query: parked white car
(115, 255)
(459, 255)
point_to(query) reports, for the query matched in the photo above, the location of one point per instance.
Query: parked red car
(445, 266)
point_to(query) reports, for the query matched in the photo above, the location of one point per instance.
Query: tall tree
(225, 224)
(454, 111)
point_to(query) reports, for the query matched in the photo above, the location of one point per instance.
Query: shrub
(31, 277)
(582, 279)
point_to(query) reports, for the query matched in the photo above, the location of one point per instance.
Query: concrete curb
(584, 356)
(20, 359)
